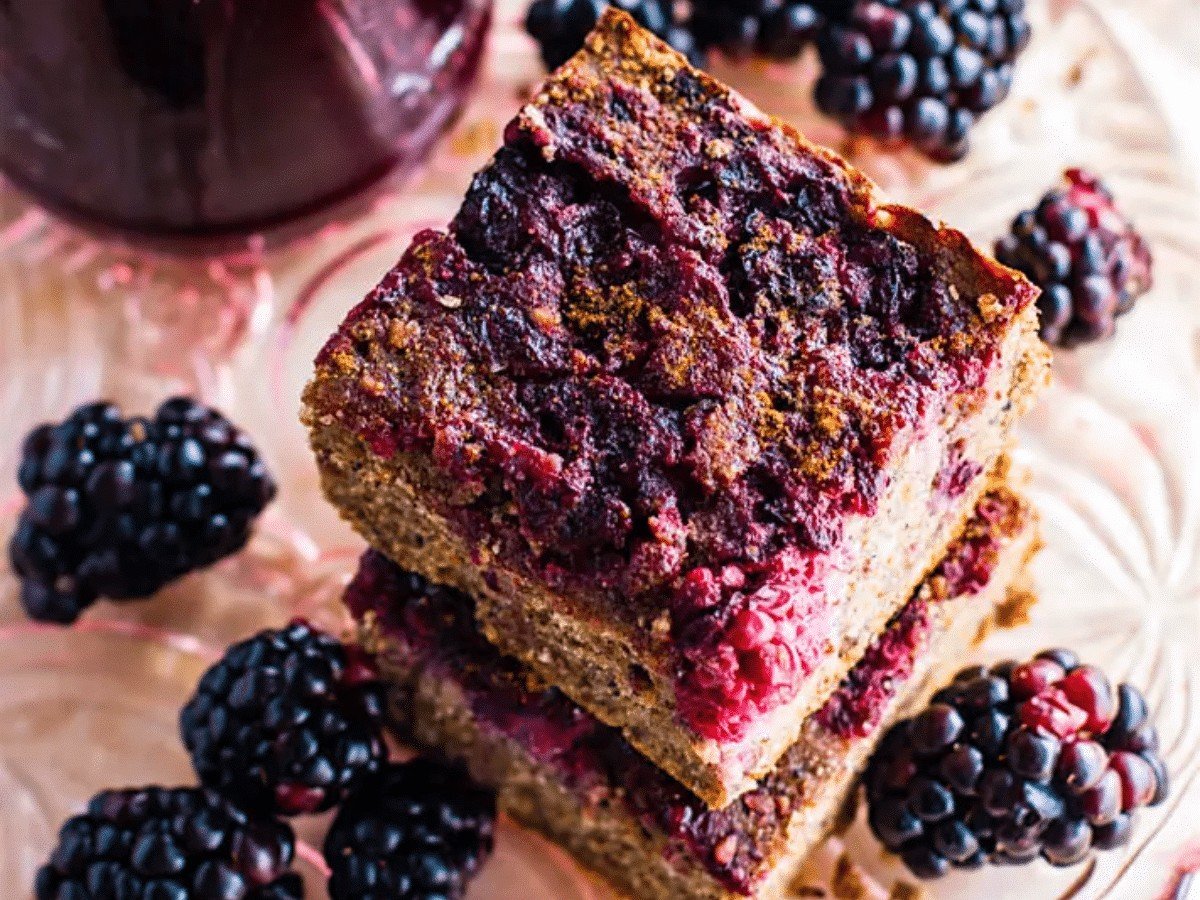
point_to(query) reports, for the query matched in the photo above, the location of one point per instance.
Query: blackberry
(1006, 764)
(560, 26)
(120, 507)
(1085, 256)
(420, 831)
(920, 72)
(289, 721)
(774, 29)
(156, 843)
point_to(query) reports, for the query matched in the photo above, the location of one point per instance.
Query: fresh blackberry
(560, 26)
(158, 843)
(1087, 258)
(419, 832)
(774, 29)
(289, 721)
(120, 507)
(1010, 763)
(920, 72)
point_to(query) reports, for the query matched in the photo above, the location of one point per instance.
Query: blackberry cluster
(288, 722)
(773, 29)
(1087, 258)
(120, 507)
(169, 844)
(560, 26)
(920, 72)
(1019, 761)
(419, 833)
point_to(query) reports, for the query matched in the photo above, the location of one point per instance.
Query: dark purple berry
(955, 841)
(984, 692)
(289, 721)
(1131, 713)
(988, 731)
(561, 26)
(932, 68)
(420, 831)
(961, 769)
(120, 507)
(1032, 755)
(1066, 841)
(1084, 254)
(1162, 782)
(930, 800)
(169, 844)
(1067, 659)
(1113, 834)
(774, 29)
(894, 823)
(925, 862)
(936, 728)
(1037, 758)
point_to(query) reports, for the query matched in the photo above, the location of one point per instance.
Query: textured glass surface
(1114, 448)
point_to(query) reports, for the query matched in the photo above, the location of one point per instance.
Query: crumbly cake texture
(682, 403)
(562, 772)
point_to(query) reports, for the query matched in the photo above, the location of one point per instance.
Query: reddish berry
(1051, 712)
(1034, 677)
(1102, 804)
(1088, 688)
(1138, 782)
(1039, 758)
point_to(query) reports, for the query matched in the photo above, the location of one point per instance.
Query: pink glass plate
(1114, 450)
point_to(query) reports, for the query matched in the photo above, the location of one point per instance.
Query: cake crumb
(847, 881)
(905, 890)
(990, 307)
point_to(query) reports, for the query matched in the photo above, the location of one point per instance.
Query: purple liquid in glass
(189, 122)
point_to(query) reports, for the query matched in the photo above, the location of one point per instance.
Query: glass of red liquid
(194, 125)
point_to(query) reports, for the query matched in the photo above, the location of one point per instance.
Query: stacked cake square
(682, 458)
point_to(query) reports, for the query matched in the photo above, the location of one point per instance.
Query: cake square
(559, 770)
(683, 404)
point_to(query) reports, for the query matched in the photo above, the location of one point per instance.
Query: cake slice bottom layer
(560, 771)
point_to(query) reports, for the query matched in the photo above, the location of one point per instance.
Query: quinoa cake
(681, 401)
(559, 770)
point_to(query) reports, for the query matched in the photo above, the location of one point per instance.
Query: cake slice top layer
(663, 335)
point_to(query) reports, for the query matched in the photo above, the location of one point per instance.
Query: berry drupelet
(773, 29)
(120, 507)
(169, 844)
(1087, 258)
(920, 72)
(289, 722)
(1014, 762)
(420, 832)
(560, 26)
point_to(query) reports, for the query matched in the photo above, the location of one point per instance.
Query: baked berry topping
(920, 72)
(744, 639)
(288, 721)
(560, 26)
(158, 843)
(1009, 763)
(1085, 255)
(120, 507)
(419, 831)
(774, 29)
